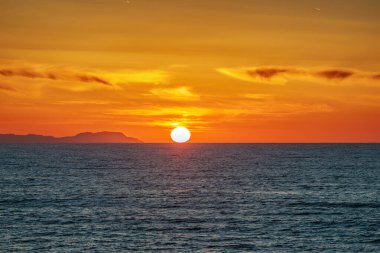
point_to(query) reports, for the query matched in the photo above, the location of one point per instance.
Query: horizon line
(189, 143)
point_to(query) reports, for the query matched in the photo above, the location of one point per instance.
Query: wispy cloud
(153, 76)
(109, 77)
(53, 75)
(281, 75)
(257, 97)
(161, 111)
(179, 93)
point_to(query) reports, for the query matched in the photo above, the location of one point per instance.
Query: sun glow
(180, 135)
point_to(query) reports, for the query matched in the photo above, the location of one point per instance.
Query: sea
(190, 198)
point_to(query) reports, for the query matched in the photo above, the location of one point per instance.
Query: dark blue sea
(190, 198)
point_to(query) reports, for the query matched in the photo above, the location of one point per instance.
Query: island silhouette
(86, 137)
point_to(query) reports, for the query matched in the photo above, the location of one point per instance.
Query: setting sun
(180, 134)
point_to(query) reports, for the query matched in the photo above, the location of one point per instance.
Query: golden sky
(230, 71)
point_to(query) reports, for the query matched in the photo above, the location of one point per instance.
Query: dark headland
(101, 137)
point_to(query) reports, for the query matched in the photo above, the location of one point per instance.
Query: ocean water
(190, 198)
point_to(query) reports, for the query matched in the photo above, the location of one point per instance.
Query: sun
(180, 134)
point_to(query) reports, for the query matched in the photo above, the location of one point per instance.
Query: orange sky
(230, 71)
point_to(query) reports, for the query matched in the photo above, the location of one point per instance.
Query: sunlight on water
(202, 197)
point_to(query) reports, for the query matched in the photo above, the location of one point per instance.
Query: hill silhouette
(87, 137)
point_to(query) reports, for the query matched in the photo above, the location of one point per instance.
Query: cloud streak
(5, 87)
(281, 75)
(176, 94)
(53, 75)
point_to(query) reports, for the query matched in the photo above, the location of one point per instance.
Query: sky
(229, 71)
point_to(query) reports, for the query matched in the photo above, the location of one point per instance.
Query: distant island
(100, 137)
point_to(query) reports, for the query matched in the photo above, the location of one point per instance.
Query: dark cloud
(267, 72)
(280, 75)
(92, 79)
(335, 74)
(272, 72)
(22, 72)
(53, 75)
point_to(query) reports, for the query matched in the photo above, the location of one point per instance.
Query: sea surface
(190, 198)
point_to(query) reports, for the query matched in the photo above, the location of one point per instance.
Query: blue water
(190, 198)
